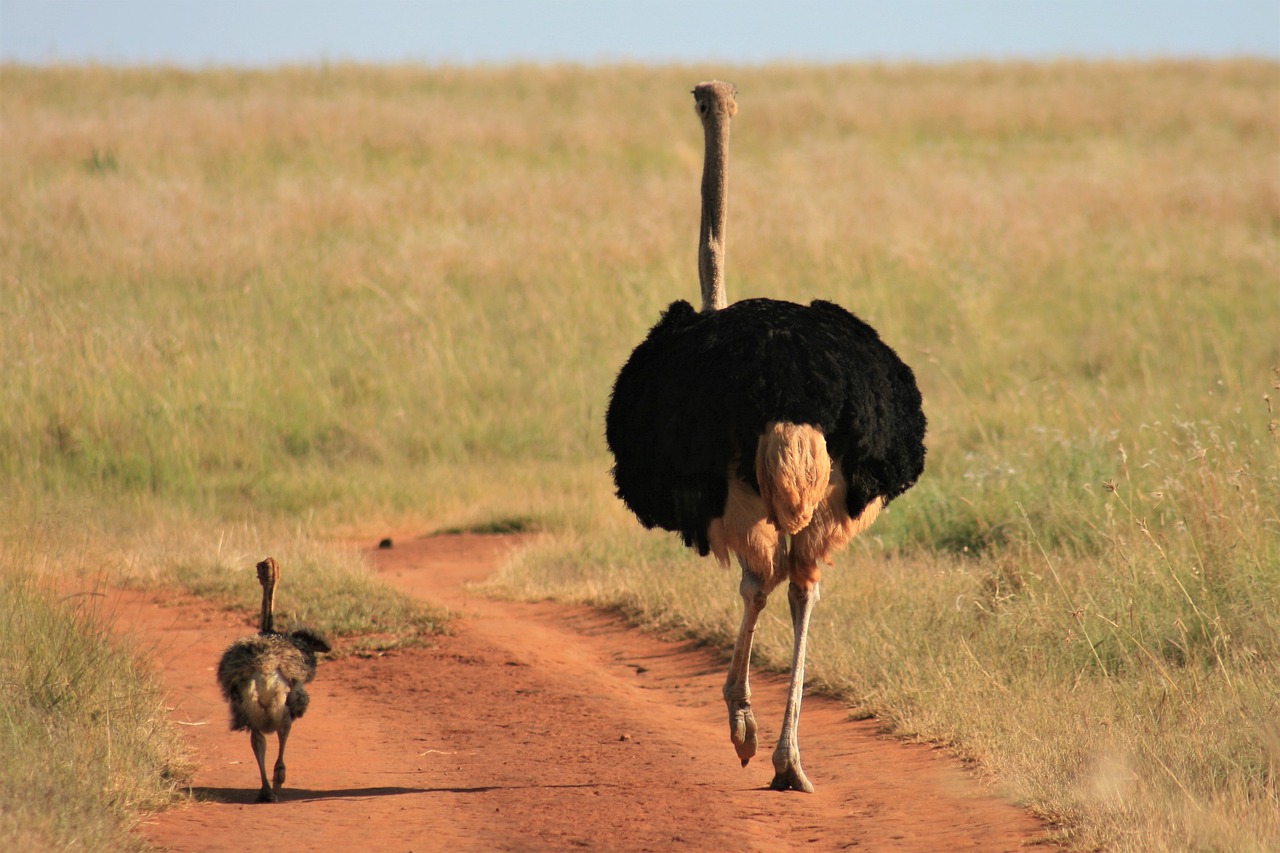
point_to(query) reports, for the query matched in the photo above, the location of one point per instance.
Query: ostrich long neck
(268, 576)
(711, 235)
(267, 625)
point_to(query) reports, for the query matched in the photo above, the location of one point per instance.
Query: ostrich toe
(742, 731)
(788, 775)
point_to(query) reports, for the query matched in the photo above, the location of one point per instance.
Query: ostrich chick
(262, 678)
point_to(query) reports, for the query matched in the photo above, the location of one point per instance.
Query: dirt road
(539, 727)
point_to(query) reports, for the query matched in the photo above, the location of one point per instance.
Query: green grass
(267, 309)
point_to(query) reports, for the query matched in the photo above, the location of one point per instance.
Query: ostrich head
(715, 103)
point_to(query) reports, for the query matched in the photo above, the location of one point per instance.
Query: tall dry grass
(348, 298)
(83, 730)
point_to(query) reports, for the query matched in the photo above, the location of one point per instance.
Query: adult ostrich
(768, 429)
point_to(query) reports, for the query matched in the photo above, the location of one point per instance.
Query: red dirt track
(538, 727)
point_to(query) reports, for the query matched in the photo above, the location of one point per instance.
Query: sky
(197, 33)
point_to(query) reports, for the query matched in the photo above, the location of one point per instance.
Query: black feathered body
(262, 678)
(689, 405)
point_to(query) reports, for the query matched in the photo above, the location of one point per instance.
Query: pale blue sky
(271, 32)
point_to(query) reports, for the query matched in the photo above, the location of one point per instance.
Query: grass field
(247, 311)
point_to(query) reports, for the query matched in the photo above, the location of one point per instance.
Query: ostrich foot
(266, 795)
(742, 730)
(788, 775)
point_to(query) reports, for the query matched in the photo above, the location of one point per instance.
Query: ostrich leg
(277, 779)
(259, 743)
(737, 689)
(788, 775)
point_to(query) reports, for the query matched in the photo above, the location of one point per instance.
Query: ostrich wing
(697, 392)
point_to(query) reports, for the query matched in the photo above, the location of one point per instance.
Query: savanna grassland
(264, 310)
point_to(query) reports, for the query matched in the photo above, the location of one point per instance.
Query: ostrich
(770, 430)
(262, 679)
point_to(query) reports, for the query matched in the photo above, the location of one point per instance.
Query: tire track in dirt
(539, 727)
